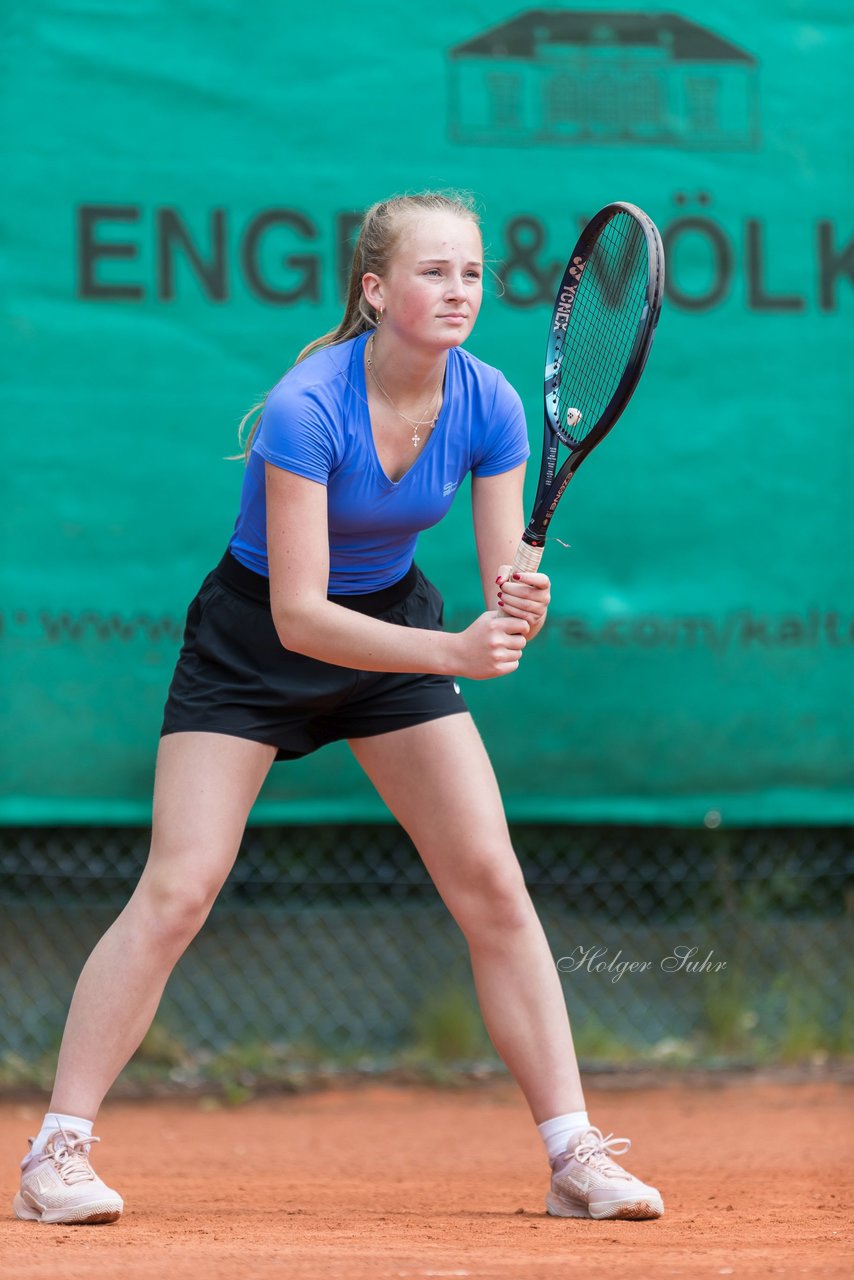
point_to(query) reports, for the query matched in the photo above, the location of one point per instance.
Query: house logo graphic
(560, 76)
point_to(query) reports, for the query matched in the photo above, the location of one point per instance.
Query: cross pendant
(416, 439)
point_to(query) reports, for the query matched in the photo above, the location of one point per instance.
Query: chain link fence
(331, 944)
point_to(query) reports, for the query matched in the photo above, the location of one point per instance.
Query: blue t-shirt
(315, 423)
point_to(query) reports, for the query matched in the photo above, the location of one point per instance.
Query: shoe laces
(596, 1150)
(70, 1156)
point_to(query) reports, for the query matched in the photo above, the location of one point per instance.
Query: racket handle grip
(527, 558)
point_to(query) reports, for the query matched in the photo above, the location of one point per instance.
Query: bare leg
(438, 782)
(205, 785)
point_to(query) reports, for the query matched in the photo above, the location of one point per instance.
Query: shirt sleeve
(297, 433)
(505, 438)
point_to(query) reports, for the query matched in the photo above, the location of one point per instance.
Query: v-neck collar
(362, 387)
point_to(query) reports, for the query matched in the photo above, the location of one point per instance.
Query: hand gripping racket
(600, 334)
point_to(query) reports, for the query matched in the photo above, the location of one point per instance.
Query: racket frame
(552, 482)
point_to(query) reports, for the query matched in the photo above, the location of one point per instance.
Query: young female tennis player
(315, 626)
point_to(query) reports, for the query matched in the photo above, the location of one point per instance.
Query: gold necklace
(415, 423)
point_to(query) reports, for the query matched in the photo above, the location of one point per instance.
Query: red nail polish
(517, 577)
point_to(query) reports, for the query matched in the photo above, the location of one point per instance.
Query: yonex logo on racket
(566, 297)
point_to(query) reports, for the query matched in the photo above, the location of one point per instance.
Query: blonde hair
(379, 235)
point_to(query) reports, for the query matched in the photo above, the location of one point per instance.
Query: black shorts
(234, 675)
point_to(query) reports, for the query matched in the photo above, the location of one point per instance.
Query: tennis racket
(600, 335)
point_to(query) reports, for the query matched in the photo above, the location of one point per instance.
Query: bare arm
(307, 622)
(498, 524)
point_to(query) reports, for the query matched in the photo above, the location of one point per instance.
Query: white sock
(53, 1121)
(556, 1132)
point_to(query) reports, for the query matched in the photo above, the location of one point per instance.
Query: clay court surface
(379, 1181)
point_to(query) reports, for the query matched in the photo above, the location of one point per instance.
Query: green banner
(182, 189)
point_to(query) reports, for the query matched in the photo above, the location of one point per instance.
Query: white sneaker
(60, 1185)
(587, 1183)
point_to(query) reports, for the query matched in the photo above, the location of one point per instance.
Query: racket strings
(593, 353)
(604, 324)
